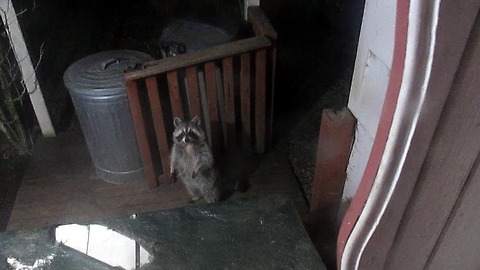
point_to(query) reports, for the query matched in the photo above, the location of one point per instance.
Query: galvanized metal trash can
(97, 88)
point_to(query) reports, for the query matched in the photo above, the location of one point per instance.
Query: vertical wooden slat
(211, 84)
(193, 94)
(245, 94)
(159, 124)
(229, 99)
(272, 93)
(141, 131)
(260, 99)
(175, 97)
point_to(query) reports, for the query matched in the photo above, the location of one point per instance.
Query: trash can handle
(112, 61)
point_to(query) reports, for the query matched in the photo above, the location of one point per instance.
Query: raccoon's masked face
(172, 48)
(188, 131)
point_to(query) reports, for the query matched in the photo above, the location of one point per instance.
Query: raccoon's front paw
(194, 174)
(194, 199)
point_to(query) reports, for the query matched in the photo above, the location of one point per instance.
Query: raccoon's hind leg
(173, 173)
(211, 195)
(173, 176)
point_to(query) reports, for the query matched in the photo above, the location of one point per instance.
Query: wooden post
(334, 145)
(14, 32)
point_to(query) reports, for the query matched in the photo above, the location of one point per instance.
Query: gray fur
(191, 161)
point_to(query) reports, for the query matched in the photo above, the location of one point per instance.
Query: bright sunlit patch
(38, 264)
(103, 244)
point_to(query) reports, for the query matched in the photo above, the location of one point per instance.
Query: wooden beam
(199, 57)
(15, 35)
(334, 145)
(333, 151)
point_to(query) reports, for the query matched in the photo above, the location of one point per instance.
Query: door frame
(430, 38)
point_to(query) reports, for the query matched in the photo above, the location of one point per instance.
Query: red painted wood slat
(193, 93)
(245, 95)
(260, 99)
(273, 54)
(140, 129)
(159, 124)
(229, 94)
(212, 100)
(175, 96)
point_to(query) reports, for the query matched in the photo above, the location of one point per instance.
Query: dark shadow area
(11, 172)
(235, 166)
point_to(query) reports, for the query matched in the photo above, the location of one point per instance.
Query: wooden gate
(230, 87)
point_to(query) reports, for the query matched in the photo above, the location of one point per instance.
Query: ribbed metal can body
(97, 89)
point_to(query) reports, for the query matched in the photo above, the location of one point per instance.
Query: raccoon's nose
(187, 140)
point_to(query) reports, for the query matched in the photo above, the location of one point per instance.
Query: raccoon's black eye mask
(193, 135)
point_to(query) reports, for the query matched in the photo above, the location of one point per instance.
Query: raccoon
(172, 48)
(191, 161)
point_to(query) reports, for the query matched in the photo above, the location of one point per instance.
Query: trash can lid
(101, 74)
(195, 35)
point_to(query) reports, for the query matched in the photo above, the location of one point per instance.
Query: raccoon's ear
(177, 121)
(196, 121)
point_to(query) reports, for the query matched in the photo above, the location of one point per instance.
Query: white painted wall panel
(373, 88)
(369, 84)
(375, 47)
(358, 160)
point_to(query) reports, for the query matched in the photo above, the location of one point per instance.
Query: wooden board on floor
(60, 186)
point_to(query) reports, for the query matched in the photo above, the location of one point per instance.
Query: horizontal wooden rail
(199, 57)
